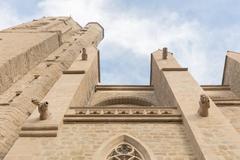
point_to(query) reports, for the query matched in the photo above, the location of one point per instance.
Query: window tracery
(125, 151)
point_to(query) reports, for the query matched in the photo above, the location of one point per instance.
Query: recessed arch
(124, 100)
(107, 147)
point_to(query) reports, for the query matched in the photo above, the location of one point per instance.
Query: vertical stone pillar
(231, 74)
(73, 88)
(213, 137)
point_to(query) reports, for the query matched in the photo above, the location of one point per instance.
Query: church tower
(53, 106)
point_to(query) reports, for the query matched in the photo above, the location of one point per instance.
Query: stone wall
(213, 137)
(35, 41)
(162, 89)
(232, 114)
(20, 52)
(13, 115)
(232, 72)
(90, 79)
(100, 96)
(82, 141)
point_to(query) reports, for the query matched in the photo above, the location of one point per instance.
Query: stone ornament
(165, 53)
(84, 54)
(125, 151)
(42, 109)
(126, 111)
(204, 105)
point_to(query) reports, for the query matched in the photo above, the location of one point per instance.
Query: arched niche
(124, 100)
(107, 147)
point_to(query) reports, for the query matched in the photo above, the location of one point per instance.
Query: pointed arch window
(125, 151)
(123, 147)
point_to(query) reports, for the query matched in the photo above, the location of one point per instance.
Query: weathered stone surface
(208, 134)
(148, 96)
(15, 109)
(227, 101)
(22, 51)
(20, 108)
(158, 80)
(232, 113)
(165, 141)
(43, 59)
(231, 74)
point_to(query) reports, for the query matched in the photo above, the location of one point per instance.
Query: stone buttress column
(213, 137)
(231, 74)
(81, 77)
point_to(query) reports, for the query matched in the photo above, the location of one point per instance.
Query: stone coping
(74, 72)
(47, 133)
(174, 69)
(216, 88)
(122, 114)
(227, 103)
(124, 88)
(123, 107)
(214, 85)
(225, 99)
(70, 120)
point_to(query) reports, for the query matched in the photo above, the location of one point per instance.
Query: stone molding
(122, 114)
(175, 69)
(74, 72)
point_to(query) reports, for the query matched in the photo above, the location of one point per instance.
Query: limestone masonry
(53, 107)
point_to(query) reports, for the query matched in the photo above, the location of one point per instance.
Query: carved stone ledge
(227, 103)
(70, 120)
(174, 69)
(39, 130)
(46, 133)
(30, 127)
(122, 114)
(124, 87)
(74, 72)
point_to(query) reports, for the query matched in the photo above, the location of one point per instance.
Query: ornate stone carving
(108, 112)
(95, 112)
(152, 112)
(165, 53)
(84, 54)
(138, 112)
(42, 109)
(125, 111)
(204, 105)
(125, 151)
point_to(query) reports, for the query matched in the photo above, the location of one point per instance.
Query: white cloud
(141, 35)
(194, 46)
(8, 15)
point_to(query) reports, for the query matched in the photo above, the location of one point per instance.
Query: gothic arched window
(124, 151)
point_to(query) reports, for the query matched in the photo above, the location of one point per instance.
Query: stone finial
(165, 53)
(42, 109)
(204, 105)
(84, 54)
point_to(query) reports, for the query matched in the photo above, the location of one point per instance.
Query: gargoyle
(204, 105)
(42, 109)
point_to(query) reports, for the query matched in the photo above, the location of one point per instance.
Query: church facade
(53, 107)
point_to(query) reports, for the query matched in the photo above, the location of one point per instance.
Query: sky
(198, 32)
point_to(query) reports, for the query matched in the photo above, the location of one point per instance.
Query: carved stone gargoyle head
(42, 109)
(204, 105)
